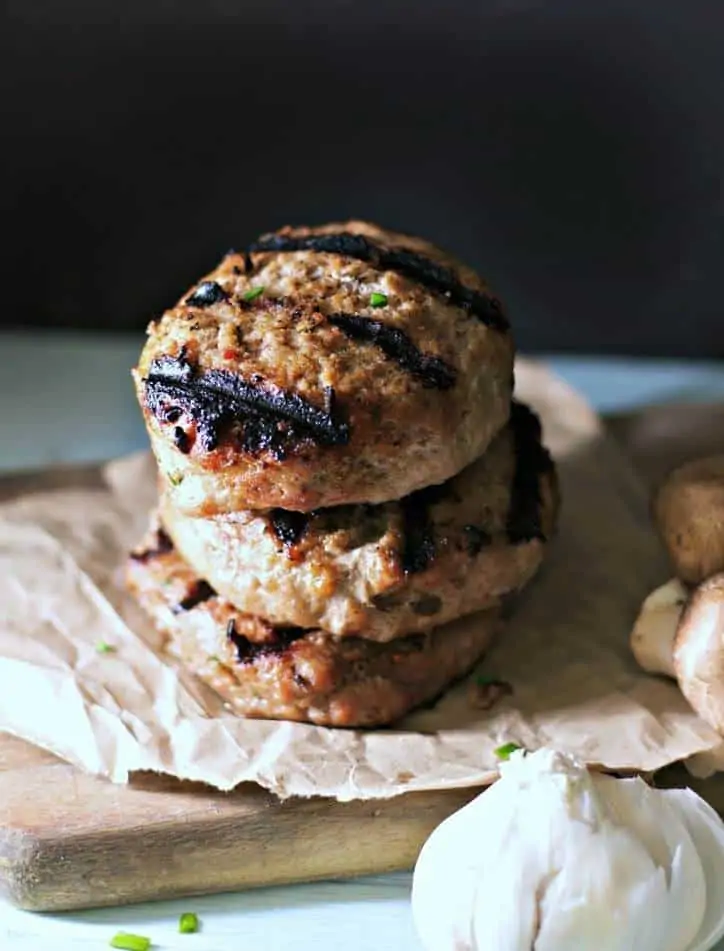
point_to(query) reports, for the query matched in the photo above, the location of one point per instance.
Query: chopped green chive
(504, 752)
(485, 680)
(188, 923)
(378, 300)
(103, 648)
(253, 293)
(176, 479)
(130, 942)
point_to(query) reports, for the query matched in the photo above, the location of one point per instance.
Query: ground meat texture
(279, 381)
(296, 674)
(382, 571)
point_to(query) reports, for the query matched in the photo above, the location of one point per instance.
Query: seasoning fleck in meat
(162, 546)
(476, 539)
(288, 526)
(199, 592)
(181, 439)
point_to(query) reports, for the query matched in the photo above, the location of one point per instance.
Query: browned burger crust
(324, 366)
(382, 571)
(292, 673)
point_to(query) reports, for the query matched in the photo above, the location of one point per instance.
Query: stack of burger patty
(344, 475)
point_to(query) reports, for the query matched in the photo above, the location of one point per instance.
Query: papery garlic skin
(556, 858)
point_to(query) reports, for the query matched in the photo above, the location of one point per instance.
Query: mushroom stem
(654, 633)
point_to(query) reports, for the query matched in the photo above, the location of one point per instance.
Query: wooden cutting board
(68, 840)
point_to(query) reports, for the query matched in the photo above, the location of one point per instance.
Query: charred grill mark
(418, 550)
(300, 680)
(181, 439)
(427, 606)
(531, 461)
(273, 419)
(199, 592)
(476, 539)
(430, 370)
(206, 294)
(418, 541)
(247, 263)
(288, 526)
(409, 644)
(247, 652)
(163, 545)
(416, 267)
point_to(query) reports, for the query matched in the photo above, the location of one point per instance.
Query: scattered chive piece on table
(175, 479)
(103, 648)
(130, 942)
(378, 300)
(504, 752)
(188, 923)
(253, 293)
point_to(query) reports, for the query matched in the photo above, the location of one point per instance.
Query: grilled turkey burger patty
(292, 673)
(324, 366)
(379, 572)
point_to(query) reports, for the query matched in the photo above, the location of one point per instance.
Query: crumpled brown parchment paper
(564, 652)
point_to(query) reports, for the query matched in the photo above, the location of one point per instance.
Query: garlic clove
(653, 634)
(445, 923)
(707, 832)
(657, 887)
(619, 871)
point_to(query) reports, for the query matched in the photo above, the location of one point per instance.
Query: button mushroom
(682, 636)
(689, 512)
(699, 652)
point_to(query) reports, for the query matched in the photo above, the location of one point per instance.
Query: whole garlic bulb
(556, 858)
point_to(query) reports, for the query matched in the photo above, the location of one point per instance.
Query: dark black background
(573, 151)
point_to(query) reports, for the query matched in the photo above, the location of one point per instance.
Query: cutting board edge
(40, 873)
(25, 899)
(46, 869)
(20, 852)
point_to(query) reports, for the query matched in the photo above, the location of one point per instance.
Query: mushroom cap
(689, 513)
(699, 652)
